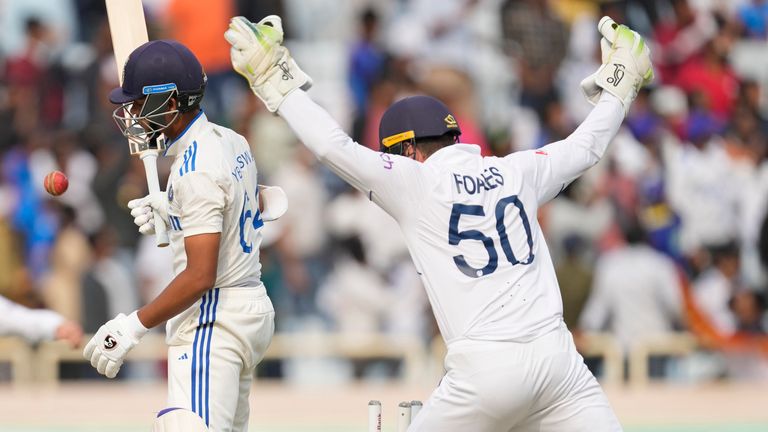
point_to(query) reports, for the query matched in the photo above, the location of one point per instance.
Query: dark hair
(351, 246)
(429, 145)
(634, 233)
(368, 16)
(722, 251)
(33, 24)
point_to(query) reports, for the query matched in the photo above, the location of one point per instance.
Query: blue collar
(181, 135)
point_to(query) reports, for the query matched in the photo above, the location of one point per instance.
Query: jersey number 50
(455, 236)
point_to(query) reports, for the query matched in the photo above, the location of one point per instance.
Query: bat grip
(150, 168)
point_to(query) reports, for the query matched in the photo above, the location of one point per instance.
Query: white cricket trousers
(212, 356)
(540, 386)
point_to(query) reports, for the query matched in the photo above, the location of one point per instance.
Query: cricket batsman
(219, 318)
(471, 229)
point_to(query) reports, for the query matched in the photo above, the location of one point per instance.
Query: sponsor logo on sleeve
(388, 161)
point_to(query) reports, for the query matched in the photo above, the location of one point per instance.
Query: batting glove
(258, 55)
(626, 65)
(108, 347)
(141, 210)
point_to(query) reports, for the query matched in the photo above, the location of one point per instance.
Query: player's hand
(626, 64)
(69, 332)
(257, 54)
(141, 210)
(255, 47)
(108, 347)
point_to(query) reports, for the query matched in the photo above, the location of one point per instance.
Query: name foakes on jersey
(490, 178)
(241, 161)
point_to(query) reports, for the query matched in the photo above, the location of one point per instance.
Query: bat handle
(150, 168)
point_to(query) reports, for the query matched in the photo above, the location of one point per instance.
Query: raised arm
(554, 166)
(612, 89)
(257, 54)
(379, 176)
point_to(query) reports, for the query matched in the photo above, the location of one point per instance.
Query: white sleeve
(391, 181)
(554, 166)
(33, 325)
(202, 201)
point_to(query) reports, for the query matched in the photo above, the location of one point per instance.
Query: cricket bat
(129, 30)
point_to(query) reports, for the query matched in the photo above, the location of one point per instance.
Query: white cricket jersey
(213, 189)
(469, 221)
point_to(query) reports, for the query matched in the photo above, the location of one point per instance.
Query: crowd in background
(671, 224)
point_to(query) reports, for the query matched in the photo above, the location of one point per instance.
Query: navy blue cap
(156, 63)
(416, 117)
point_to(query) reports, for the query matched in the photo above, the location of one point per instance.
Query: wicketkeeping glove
(108, 347)
(141, 210)
(626, 64)
(258, 55)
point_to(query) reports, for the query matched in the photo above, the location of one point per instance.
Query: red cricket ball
(56, 183)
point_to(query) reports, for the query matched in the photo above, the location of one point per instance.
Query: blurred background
(661, 250)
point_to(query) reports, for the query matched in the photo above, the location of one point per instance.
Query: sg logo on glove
(109, 342)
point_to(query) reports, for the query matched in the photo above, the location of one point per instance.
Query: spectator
(59, 18)
(753, 18)
(701, 187)
(438, 35)
(748, 308)
(108, 288)
(539, 40)
(302, 248)
(711, 75)
(680, 38)
(575, 279)
(635, 294)
(354, 296)
(366, 63)
(70, 257)
(352, 214)
(715, 287)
